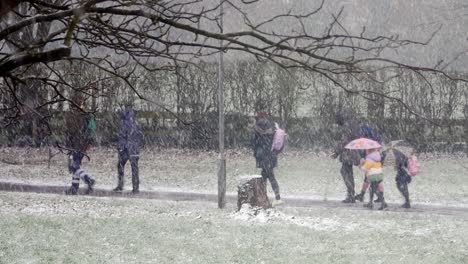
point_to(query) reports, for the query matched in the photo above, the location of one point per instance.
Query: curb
(290, 201)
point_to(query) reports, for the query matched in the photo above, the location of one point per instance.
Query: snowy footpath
(175, 195)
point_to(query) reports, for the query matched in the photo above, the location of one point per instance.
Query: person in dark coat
(402, 178)
(349, 130)
(77, 141)
(128, 146)
(265, 158)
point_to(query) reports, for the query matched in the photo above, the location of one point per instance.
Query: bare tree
(125, 38)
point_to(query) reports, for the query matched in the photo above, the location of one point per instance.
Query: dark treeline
(303, 132)
(181, 110)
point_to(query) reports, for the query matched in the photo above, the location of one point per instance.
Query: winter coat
(401, 162)
(373, 167)
(262, 141)
(76, 125)
(350, 130)
(130, 134)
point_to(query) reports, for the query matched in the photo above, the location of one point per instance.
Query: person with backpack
(129, 138)
(77, 142)
(264, 152)
(406, 167)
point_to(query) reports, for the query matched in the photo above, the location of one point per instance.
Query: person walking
(128, 146)
(265, 157)
(349, 130)
(402, 178)
(372, 166)
(368, 132)
(77, 141)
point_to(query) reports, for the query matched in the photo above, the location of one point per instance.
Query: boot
(135, 178)
(118, 188)
(360, 197)
(381, 197)
(73, 190)
(370, 204)
(91, 183)
(349, 199)
(120, 184)
(120, 180)
(383, 206)
(136, 185)
(407, 201)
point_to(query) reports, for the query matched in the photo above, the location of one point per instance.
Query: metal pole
(221, 157)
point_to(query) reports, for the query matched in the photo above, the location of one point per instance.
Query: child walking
(77, 142)
(372, 167)
(406, 167)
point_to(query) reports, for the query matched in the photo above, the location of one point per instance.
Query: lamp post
(465, 112)
(221, 157)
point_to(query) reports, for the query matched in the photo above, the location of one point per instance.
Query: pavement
(292, 201)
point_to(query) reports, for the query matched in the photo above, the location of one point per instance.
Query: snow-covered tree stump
(252, 190)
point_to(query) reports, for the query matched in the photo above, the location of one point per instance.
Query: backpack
(278, 139)
(370, 133)
(414, 167)
(91, 129)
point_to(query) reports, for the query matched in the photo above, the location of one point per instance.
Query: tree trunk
(466, 128)
(376, 103)
(252, 190)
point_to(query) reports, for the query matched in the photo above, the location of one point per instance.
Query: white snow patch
(248, 177)
(272, 215)
(36, 209)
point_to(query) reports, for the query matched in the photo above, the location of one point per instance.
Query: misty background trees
(401, 66)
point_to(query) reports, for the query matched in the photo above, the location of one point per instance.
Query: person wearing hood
(128, 146)
(265, 158)
(349, 130)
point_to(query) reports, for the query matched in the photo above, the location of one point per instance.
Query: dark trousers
(268, 174)
(348, 178)
(124, 156)
(402, 179)
(74, 167)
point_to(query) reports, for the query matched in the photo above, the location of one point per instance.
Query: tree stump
(252, 190)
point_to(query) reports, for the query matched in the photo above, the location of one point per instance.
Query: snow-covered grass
(444, 179)
(38, 228)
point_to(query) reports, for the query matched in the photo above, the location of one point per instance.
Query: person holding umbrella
(368, 132)
(372, 167)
